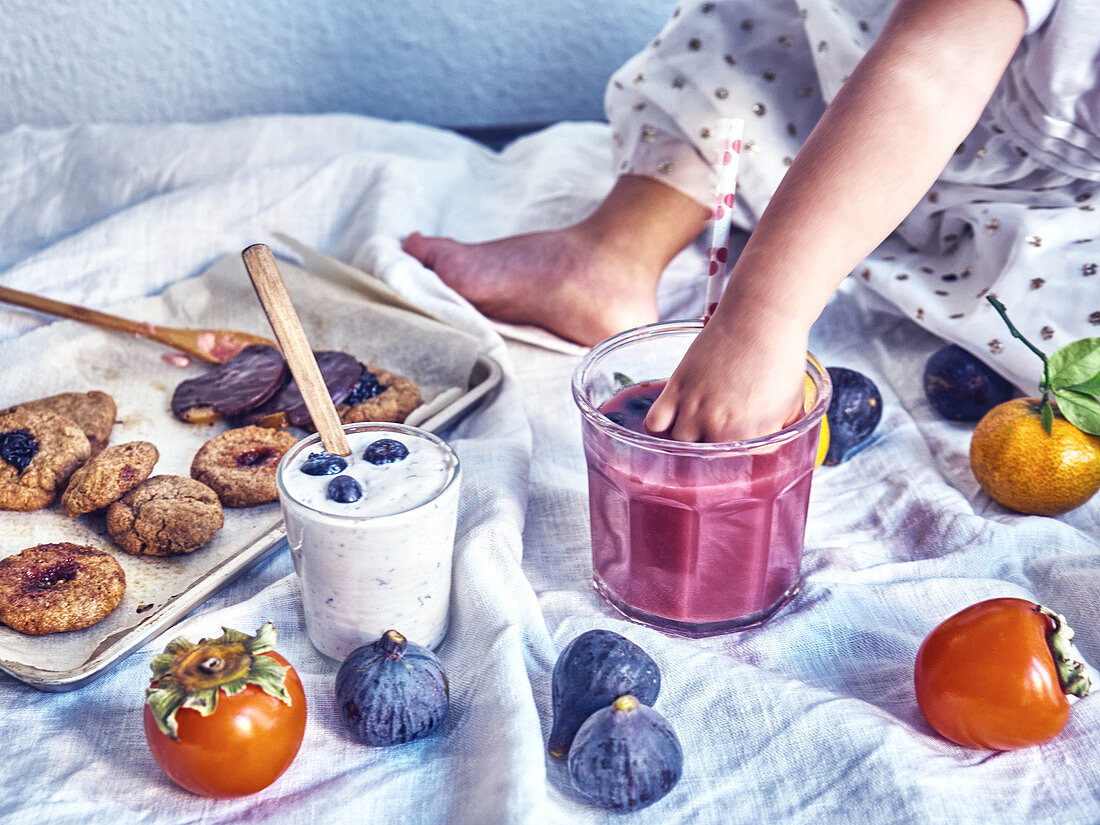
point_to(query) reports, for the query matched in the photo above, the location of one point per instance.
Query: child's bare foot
(585, 282)
(563, 281)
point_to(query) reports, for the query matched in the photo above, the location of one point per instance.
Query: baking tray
(181, 583)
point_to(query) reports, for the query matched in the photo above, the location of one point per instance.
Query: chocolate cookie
(380, 396)
(53, 588)
(165, 516)
(108, 476)
(287, 408)
(94, 412)
(243, 382)
(38, 453)
(239, 465)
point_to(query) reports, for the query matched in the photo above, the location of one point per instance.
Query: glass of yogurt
(372, 534)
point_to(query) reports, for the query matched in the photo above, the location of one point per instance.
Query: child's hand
(729, 387)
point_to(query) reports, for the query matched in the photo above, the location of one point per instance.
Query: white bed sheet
(810, 719)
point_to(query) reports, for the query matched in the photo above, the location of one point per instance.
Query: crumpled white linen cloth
(809, 719)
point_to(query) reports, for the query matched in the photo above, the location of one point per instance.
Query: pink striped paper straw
(730, 130)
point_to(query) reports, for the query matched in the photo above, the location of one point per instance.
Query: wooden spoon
(214, 345)
(272, 293)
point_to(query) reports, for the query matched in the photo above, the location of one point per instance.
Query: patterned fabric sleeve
(714, 59)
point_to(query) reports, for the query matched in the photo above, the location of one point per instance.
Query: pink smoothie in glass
(694, 539)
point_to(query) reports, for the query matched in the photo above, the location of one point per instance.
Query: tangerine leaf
(1080, 410)
(1090, 387)
(1076, 363)
(1046, 418)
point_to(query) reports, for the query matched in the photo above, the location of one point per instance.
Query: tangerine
(1024, 469)
(822, 443)
(809, 398)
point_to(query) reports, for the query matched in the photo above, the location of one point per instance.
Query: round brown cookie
(94, 412)
(239, 465)
(38, 453)
(399, 396)
(52, 588)
(165, 516)
(108, 476)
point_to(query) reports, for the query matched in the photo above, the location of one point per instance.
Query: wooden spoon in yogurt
(276, 303)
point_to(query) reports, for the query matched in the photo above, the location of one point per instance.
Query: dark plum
(18, 447)
(625, 757)
(324, 464)
(385, 451)
(853, 413)
(961, 387)
(594, 669)
(391, 691)
(344, 489)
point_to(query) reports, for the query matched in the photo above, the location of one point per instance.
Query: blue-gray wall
(456, 63)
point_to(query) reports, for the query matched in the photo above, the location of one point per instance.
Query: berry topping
(617, 418)
(18, 447)
(385, 451)
(56, 574)
(257, 458)
(368, 387)
(344, 489)
(323, 464)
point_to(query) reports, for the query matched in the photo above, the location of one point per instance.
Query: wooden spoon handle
(275, 300)
(76, 313)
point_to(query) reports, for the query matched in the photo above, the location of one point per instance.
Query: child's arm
(880, 145)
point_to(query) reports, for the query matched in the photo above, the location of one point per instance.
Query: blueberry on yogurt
(344, 489)
(385, 451)
(323, 464)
